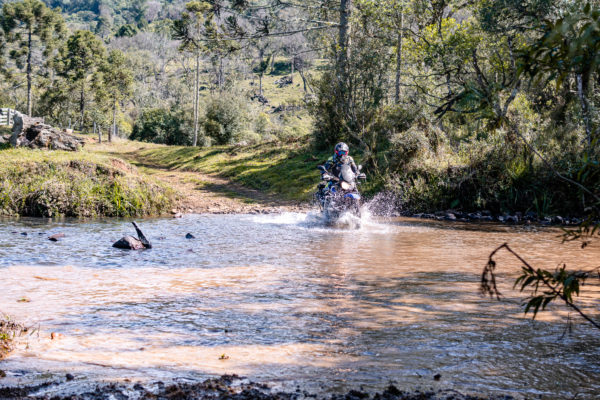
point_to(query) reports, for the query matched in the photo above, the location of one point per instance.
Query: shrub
(405, 146)
(225, 118)
(158, 125)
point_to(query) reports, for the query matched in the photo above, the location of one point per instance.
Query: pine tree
(79, 59)
(32, 26)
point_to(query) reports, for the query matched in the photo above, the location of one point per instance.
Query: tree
(190, 29)
(34, 27)
(116, 83)
(570, 46)
(78, 60)
(263, 62)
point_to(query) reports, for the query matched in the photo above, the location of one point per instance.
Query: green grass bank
(287, 170)
(41, 183)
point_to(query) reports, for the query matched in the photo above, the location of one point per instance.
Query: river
(284, 300)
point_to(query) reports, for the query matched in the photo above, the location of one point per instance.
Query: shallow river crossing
(284, 300)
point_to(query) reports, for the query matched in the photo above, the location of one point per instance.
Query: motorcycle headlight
(345, 185)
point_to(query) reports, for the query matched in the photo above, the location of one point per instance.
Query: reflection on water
(292, 302)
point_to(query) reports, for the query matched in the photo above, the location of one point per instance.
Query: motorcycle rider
(340, 157)
(333, 166)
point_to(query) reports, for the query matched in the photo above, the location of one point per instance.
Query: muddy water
(291, 302)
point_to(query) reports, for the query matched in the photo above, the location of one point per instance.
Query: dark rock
(558, 220)
(56, 236)
(474, 216)
(450, 217)
(69, 377)
(501, 218)
(129, 243)
(2, 374)
(437, 377)
(24, 233)
(190, 236)
(511, 219)
(530, 215)
(33, 133)
(284, 81)
(139, 387)
(260, 98)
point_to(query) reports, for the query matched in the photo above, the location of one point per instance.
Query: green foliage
(158, 125)
(29, 26)
(546, 286)
(127, 30)
(80, 58)
(225, 118)
(49, 184)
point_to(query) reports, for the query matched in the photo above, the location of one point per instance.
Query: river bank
(9, 330)
(226, 387)
(128, 178)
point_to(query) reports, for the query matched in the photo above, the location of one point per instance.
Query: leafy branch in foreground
(547, 286)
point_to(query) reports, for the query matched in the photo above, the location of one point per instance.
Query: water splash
(385, 204)
(316, 220)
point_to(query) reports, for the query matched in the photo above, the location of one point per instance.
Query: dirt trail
(203, 193)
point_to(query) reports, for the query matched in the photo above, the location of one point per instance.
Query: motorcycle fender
(354, 196)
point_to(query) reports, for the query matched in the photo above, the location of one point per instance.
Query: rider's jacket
(334, 164)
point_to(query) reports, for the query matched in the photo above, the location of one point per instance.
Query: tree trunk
(344, 33)
(29, 77)
(221, 80)
(260, 84)
(585, 109)
(344, 102)
(82, 104)
(399, 57)
(196, 100)
(292, 74)
(114, 124)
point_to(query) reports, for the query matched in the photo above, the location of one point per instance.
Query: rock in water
(33, 133)
(129, 243)
(190, 236)
(56, 236)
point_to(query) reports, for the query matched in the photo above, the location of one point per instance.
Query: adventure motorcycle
(339, 195)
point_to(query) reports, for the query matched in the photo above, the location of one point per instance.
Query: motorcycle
(339, 195)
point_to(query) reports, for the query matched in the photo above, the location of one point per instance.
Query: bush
(158, 125)
(405, 146)
(225, 118)
(49, 184)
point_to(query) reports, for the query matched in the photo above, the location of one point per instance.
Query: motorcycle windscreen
(347, 174)
(354, 196)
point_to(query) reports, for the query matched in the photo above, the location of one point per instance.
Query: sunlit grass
(77, 184)
(287, 170)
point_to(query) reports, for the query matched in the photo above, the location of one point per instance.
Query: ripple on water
(289, 299)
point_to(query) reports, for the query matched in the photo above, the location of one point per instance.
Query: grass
(8, 331)
(287, 170)
(76, 184)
